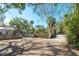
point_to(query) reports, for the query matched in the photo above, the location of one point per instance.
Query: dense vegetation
(71, 26)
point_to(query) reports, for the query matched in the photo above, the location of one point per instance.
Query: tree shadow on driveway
(13, 50)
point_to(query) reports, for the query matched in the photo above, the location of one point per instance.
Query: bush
(76, 43)
(41, 33)
(72, 27)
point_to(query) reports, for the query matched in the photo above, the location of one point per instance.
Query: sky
(29, 15)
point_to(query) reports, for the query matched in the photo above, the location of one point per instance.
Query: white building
(6, 32)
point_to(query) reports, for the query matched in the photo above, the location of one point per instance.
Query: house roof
(10, 28)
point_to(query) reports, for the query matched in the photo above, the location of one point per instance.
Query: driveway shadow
(18, 50)
(57, 51)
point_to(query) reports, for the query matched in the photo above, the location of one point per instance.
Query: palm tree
(45, 11)
(51, 27)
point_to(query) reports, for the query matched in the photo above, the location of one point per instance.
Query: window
(0, 33)
(7, 32)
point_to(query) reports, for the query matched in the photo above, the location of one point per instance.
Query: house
(7, 32)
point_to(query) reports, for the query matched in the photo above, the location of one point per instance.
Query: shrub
(72, 26)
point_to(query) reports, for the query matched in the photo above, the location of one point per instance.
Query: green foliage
(72, 27)
(40, 32)
(76, 43)
(59, 27)
(6, 6)
(46, 11)
(20, 24)
(19, 6)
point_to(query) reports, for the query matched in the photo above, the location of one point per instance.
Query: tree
(6, 6)
(51, 26)
(45, 11)
(19, 6)
(21, 24)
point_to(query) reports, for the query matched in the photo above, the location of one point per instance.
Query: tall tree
(51, 27)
